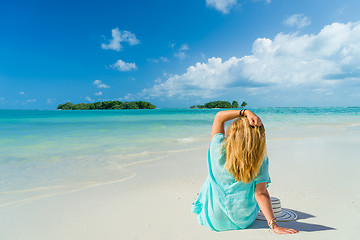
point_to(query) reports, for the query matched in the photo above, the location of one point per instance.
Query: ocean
(49, 152)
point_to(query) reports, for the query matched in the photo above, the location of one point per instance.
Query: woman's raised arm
(227, 115)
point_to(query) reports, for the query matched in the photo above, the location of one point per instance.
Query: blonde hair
(245, 149)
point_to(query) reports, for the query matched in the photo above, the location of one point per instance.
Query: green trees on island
(140, 105)
(220, 104)
(235, 104)
(107, 105)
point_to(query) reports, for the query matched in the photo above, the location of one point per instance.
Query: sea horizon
(332, 106)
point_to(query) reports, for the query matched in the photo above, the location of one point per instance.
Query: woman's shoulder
(219, 137)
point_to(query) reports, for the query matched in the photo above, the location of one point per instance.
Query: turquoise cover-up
(224, 204)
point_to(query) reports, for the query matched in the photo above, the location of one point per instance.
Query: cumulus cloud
(98, 94)
(122, 66)
(31, 100)
(223, 6)
(297, 20)
(100, 84)
(202, 80)
(118, 37)
(320, 60)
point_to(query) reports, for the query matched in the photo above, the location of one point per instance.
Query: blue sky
(180, 53)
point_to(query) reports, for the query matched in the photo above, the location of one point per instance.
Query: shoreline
(179, 147)
(92, 185)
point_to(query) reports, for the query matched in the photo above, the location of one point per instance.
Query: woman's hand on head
(253, 119)
(281, 230)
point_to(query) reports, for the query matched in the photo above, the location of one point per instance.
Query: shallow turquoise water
(44, 152)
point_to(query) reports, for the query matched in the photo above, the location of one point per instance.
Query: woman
(236, 187)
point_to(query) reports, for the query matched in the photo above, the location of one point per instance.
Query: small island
(220, 104)
(107, 105)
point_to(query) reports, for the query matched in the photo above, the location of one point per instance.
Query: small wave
(33, 189)
(185, 140)
(66, 192)
(161, 155)
(354, 124)
(145, 154)
(139, 154)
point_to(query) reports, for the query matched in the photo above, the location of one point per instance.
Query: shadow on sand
(306, 227)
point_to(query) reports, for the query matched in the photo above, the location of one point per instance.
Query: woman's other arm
(263, 199)
(224, 116)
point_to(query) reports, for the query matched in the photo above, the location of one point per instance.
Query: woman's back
(223, 203)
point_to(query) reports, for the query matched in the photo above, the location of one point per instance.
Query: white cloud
(157, 80)
(50, 100)
(297, 20)
(118, 37)
(98, 94)
(22, 93)
(323, 60)
(88, 99)
(122, 66)
(341, 10)
(156, 60)
(181, 54)
(223, 6)
(99, 84)
(31, 100)
(202, 80)
(184, 47)
(128, 97)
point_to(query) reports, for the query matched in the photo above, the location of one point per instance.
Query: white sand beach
(314, 176)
